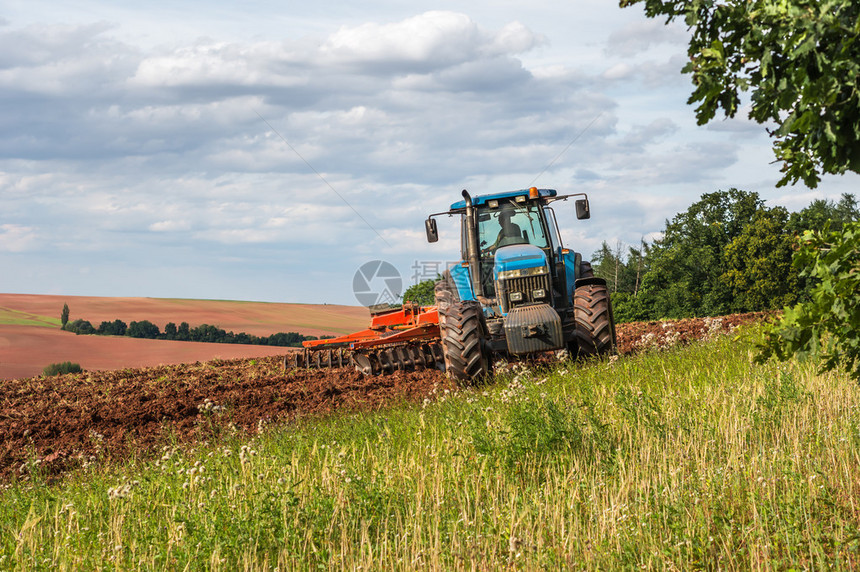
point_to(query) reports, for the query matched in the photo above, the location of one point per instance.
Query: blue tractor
(517, 290)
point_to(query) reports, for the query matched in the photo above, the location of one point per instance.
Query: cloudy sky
(267, 150)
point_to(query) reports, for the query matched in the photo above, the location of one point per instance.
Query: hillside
(690, 458)
(30, 337)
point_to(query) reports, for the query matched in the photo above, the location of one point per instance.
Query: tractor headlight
(516, 296)
(522, 272)
(539, 293)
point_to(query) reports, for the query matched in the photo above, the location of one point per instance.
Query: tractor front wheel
(463, 332)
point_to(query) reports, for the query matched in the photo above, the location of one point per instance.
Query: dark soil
(637, 336)
(68, 420)
(57, 423)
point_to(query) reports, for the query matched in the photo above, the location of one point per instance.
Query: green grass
(15, 318)
(690, 458)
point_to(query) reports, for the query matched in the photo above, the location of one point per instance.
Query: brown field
(26, 348)
(135, 411)
(258, 318)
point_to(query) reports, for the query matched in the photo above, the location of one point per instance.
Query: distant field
(30, 337)
(14, 318)
(259, 318)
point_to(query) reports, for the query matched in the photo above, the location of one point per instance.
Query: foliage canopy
(728, 252)
(827, 326)
(800, 60)
(422, 293)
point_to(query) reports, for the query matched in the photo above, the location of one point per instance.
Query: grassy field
(689, 458)
(11, 317)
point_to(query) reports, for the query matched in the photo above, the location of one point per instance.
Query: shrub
(61, 368)
(80, 327)
(828, 325)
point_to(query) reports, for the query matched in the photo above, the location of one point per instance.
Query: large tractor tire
(585, 270)
(445, 291)
(595, 326)
(463, 332)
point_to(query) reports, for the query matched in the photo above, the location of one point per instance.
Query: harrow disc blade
(399, 357)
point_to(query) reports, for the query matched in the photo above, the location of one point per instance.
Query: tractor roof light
(533, 193)
(494, 204)
(520, 198)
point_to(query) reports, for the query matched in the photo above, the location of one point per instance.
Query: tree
(687, 262)
(115, 328)
(605, 262)
(758, 264)
(820, 211)
(170, 331)
(80, 326)
(800, 59)
(422, 293)
(143, 329)
(828, 325)
(64, 316)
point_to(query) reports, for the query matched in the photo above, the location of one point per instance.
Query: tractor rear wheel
(585, 270)
(463, 332)
(595, 326)
(445, 291)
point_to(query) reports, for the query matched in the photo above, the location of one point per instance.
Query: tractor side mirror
(432, 232)
(582, 210)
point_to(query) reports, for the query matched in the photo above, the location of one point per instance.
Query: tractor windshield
(510, 223)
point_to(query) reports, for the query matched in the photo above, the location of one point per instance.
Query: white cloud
(638, 37)
(428, 40)
(17, 238)
(619, 71)
(170, 226)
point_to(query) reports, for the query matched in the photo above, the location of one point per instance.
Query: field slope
(30, 337)
(693, 457)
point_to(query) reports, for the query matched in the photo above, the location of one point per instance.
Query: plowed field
(60, 422)
(30, 335)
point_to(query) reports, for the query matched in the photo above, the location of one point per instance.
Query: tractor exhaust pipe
(474, 258)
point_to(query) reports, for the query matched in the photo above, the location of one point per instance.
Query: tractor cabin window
(509, 224)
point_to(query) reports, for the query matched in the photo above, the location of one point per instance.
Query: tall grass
(690, 458)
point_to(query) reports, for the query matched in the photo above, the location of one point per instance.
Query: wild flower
(120, 491)
(209, 406)
(245, 454)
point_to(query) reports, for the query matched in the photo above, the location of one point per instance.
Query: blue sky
(265, 151)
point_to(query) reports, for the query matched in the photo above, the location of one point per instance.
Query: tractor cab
(511, 236)
(509, 224)
(511, 244)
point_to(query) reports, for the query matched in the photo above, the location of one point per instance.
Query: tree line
(183, 332)
(727, 253)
